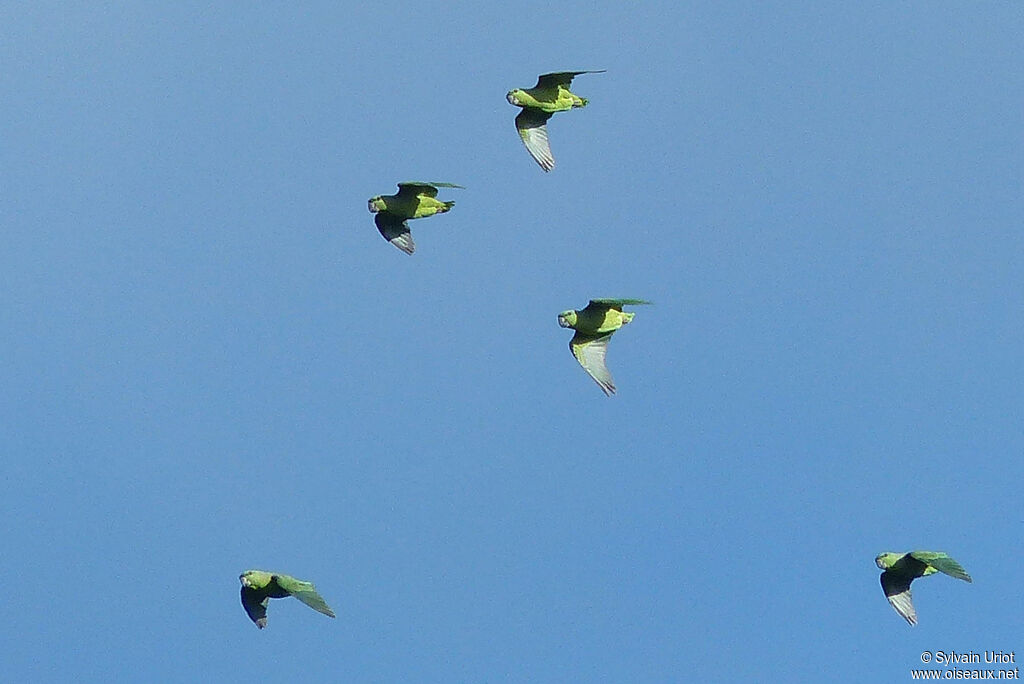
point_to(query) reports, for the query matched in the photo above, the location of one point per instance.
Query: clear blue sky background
(211, 360)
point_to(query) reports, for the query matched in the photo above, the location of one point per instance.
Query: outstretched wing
(305, 592)
(943, 563)
(615, 303)
(414, 188)
(255, 604)
(395, 230)
(531, 124)
(590, 351)
(563, 78)
(896, 586)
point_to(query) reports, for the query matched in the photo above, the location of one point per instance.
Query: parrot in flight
(258, 587)
(594, 326)
(414, 200)
(550, 95)
(900, 569)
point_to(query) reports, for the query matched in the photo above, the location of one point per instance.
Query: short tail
(447, 207)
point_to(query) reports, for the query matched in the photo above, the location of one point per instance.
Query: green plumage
(539, 103)
(413, 200)
(900, 569)
(594, 325)
(259, 586)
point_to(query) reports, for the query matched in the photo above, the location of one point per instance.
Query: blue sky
(212, 361)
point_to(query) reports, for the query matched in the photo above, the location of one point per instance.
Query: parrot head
(255, 579)
(567, 319)
(886, 560)
(376, 204)
(512, 97)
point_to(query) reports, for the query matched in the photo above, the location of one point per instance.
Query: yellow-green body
(549, 99)
(410, 206)
(920, 564)
(596, 321)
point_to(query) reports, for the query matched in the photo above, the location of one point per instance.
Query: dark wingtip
(402, 248)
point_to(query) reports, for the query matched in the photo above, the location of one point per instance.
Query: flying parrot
(594, 326)
(550, 95)
(258, 587)
(414, 200)
(900, 569)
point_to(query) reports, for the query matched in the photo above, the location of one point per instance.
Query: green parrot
(414, 200)
(258, 587)
(550, 95)
(594, 327)
(900, 569)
